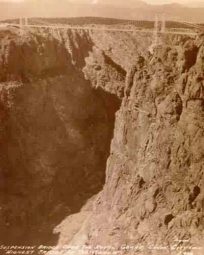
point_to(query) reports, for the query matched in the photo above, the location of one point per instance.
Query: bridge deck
(66, 27)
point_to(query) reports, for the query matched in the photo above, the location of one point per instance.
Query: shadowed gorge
(55, 138)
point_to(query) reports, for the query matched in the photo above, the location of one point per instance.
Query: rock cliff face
(55, 132)
(59, 96)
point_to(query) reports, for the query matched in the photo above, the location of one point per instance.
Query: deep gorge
(101, 141)
(56, 131)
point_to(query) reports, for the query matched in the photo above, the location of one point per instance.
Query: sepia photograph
(102, 127)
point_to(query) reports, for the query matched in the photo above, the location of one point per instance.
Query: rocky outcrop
(58, 108)
(152, 200)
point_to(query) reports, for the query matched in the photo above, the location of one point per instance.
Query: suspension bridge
(160, 27)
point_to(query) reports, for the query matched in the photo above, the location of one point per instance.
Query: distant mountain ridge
(136, 10)
(196, 4)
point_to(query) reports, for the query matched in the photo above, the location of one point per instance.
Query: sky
(55, 9)
(148, 1)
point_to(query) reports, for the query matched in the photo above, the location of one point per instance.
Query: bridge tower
(159, 28)
(23, 21)
(163, 26)
(26, 21)
(156, 31)
(20, 22)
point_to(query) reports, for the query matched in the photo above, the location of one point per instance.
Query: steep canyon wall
(84, 113)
